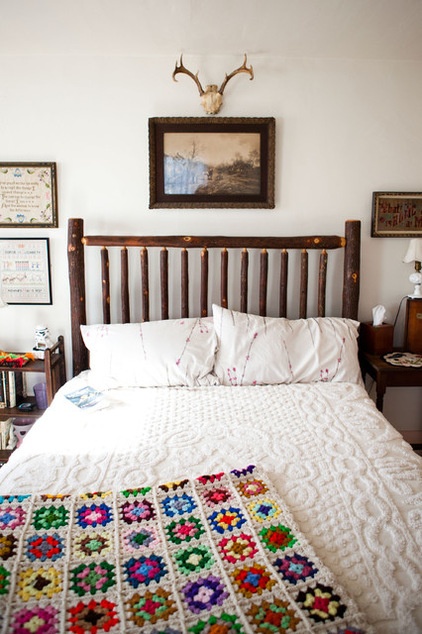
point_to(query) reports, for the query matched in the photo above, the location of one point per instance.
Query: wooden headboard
(242, 247)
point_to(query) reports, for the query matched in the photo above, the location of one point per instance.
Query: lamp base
(417, 292)
(416, 279)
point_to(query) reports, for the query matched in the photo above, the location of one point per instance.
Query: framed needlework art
(28, 195)
(25, 271)
(396, 215)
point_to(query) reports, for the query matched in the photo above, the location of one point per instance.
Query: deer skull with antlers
(211, 97)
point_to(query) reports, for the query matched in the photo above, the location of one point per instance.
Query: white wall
(345, 128)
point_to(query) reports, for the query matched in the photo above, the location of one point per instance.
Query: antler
(181, 69)
(211, 98)
(241, 69)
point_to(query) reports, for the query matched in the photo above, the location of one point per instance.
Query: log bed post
(75, 254)
(351, 280)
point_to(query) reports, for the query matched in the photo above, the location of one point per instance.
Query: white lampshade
(2, 303)
(414, 251)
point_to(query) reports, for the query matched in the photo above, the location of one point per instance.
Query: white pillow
(255, 350)
(152, 354)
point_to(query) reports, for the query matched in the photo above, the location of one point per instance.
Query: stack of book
(11, 388)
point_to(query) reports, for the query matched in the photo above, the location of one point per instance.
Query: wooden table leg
(380, 396)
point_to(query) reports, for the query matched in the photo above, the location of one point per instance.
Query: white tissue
(378, 315)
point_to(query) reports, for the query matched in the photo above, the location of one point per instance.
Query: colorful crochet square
(295, 568)
(203, 556)
(92, 544)
(277, 537)
(204, 594)
(7, 546)
(226, 519)
(322, 603)
(251, 580)
(140, 539)
(217, 496)
(184, 530)
(273, 616)
(252, 487)
(37, 620)
(264, 509)
(94, 617)
(238, 548)
(135, 512)
(45, 547)
(223, 624)
(178, 505)
(94, 515)
(144, 570)
(11, 517)
(151, 607)
(92, 578)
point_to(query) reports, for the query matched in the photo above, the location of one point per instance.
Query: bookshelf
(53, 366)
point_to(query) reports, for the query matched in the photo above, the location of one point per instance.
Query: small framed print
(198, 162)
(25, 271)
(28, 195)
(396, 215)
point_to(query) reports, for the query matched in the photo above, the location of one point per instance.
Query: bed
(230, 473)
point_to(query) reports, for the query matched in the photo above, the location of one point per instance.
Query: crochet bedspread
(353, 485)
(220, 553)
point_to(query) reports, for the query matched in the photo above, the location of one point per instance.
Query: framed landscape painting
(201, 162)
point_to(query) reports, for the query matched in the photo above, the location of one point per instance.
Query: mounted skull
(212, 98)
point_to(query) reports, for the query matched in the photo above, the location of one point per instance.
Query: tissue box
(376, 339)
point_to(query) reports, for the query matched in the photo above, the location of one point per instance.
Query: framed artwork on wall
(200, 162)
(396, 215)
(28, 195)
(25, 271)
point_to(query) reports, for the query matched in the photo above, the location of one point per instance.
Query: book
(9, 388)
(3, 388)
(19, 387)
(2, 395)
(87, 398)
(12, 389)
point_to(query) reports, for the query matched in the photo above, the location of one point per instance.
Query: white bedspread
(352, 483)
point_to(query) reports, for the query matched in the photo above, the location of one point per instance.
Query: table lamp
(414, 254)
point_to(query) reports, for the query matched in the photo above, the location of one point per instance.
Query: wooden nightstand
(387, 375)
(54, 368)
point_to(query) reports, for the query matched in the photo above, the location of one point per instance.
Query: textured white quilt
(353, 485)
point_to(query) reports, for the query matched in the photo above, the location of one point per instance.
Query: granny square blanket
(217, 554)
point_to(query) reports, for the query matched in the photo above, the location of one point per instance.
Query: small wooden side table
(387, 375)
(54, 368)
